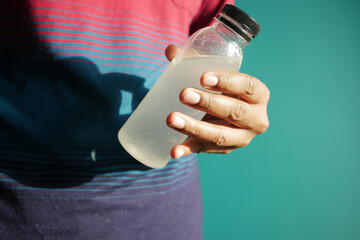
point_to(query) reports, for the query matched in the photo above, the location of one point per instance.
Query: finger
(171, 51)
(247, 87)
(235, 111)
(222, 136)
(192, 145)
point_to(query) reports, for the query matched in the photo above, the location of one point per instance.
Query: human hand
(233, 118)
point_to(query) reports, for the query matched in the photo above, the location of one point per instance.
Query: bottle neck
(225, 26)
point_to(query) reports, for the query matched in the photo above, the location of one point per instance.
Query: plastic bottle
(145, 135)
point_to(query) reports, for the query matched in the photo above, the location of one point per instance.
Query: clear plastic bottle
(145, 134)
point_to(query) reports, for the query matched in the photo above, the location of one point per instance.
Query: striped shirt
(71, 73)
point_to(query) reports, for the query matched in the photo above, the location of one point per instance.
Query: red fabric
(206, 13)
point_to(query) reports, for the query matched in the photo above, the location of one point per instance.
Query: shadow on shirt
(58, 118)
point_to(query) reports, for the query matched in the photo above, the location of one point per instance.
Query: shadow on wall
(55, 114)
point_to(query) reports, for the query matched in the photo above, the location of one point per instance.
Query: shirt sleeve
(208, 10)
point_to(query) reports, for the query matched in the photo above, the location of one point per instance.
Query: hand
(233, 118)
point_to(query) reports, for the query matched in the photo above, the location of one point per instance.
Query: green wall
(300, 179)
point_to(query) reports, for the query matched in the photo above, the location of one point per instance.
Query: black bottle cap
(241, 18)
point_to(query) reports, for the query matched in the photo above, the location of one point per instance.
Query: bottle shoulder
(209, 41)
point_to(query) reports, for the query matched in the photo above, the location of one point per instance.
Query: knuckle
(211, 103)
(195, 130)
(218, 139)
(237, 113)
(231, 82)
(267, 92)
(250, 85)
(263, 125)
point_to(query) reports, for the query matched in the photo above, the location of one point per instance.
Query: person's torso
(71, 73)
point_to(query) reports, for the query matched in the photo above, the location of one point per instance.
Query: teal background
(300, 179)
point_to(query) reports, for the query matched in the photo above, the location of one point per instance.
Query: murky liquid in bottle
(147, 137)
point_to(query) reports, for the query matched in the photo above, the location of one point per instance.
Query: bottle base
(147, 158)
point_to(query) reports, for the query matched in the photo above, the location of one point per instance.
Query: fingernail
(210, 80)
(191, 97)
(178, 123)
(179, 153)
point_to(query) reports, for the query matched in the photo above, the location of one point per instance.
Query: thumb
(171, 51)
